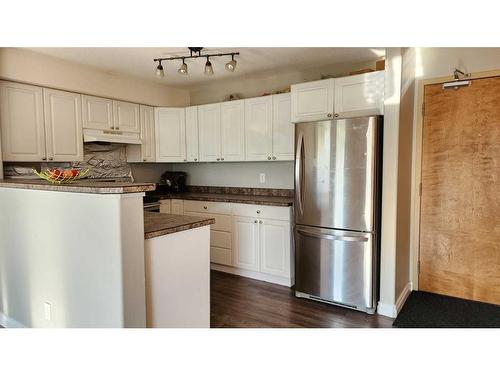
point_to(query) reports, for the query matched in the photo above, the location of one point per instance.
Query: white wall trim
(285, 281)
(8, 322)
(392, 311)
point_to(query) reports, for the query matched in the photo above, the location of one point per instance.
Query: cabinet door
(21, 122)
(283, 128)
(192, 133)
(126, 116)
(246, 243)
(170, 135)
(275, 247)
(165, 206)
(209, 132)
(232, 130)
(177, 207)
(259, 128)
(312, 101)
(147, 116)
(97, 113)
(63, 125)
(360, 95)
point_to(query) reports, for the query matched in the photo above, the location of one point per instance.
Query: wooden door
(313, 101)
(126, 116)
(63, 125)
(460, 202)
(283, 129)
(170, 131)
(97, 113)
(232, 129)
(259, 128)
(22, 122)
(192, 133)
(209, 132)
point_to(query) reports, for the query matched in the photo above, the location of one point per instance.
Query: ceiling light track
(195, 52)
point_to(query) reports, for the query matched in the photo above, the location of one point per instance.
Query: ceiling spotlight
(231, 65)
(183, 69)
(159, 71)
(208, 68)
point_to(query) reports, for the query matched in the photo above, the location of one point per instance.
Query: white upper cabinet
(275, 245)
(22, 122)
(259, 128)
(283, 128)
(97, 113)
(63, 125)
(312, 101)
(192, 134)
(233, 130)
(147, 116)
(360, 95)
(209, 132)
(126, 117)
(170, 131)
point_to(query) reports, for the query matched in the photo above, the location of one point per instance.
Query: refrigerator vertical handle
(299, 171)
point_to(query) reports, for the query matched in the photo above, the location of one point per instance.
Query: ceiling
(138, 62)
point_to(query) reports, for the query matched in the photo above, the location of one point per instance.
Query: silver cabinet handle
(333, 237)
(329, 115)
(268, 158)
(299, 174)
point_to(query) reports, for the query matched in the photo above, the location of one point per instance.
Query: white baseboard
(285, 281)
(392, 310)
(7, 322)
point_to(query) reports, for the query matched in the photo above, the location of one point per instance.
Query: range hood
(112, 136)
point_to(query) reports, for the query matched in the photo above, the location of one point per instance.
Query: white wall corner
(8, 322)
(391, 310)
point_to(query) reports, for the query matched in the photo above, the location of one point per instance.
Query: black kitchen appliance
(172, 182)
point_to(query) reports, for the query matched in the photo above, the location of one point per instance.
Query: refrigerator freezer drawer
(335, 266)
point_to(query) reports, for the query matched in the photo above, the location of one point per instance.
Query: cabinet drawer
(220, 256)
(210, 207)
(220, 239)
(222, 222)
(165, 207)
(265, 212)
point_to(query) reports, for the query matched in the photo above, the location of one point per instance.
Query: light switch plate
(47, 309)
(262, 177)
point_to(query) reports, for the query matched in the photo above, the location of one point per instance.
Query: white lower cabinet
(246, 243)
(177, 207)
(275, 245)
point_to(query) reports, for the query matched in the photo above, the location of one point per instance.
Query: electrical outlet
(47, 309)
(262, 177)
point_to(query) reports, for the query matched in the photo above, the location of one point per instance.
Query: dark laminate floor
(240, 302)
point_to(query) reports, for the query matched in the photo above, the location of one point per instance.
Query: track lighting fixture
(183, 69)
(195, 52)
(209, 71)
(159, 70)
(231, 65)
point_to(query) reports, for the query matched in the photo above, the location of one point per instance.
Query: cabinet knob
(255, 221)
(44, 158)
(329, 115)
(258, 211)
(117, 127)
(205, 207)
(222, 159)
(143, 159)
(195, 159)
(185, 159)
(51, 158)
(336, 115)
(260, 221)
(218, 159)
(274, 157)
(268, 158)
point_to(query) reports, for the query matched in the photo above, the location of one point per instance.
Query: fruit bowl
(61, 176)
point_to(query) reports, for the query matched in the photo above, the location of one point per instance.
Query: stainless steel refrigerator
(337, 194)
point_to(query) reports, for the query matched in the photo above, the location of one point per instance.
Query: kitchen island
(177, 262)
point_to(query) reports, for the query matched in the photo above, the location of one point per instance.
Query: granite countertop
(232, 198)
(157, 224)
(81, 186)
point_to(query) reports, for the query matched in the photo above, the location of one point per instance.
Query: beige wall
(26, 66)
(256, 85)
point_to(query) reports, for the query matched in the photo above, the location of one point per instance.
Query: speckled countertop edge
(157, 224)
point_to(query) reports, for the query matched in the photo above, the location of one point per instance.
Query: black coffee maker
(172, 182)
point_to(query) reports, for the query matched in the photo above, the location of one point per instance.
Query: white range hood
(113, 136)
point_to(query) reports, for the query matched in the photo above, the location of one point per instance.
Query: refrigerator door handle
(333, 237)
(299, 171)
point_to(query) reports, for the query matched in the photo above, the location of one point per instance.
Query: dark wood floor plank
(239, 302)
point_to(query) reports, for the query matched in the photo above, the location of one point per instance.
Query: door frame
(417, 166)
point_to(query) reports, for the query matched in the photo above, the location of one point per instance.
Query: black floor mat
(429, 310)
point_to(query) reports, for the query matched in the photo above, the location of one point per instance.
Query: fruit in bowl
(59, 176)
